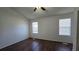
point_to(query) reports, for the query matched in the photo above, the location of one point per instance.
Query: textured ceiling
(30, 14)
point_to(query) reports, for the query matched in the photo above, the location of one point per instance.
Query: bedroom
(47, 29)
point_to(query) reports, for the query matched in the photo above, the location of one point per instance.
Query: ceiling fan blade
(43, 8)
(35, 9)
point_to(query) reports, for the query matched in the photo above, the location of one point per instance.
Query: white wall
(45, 27)
(67, 38)
(48, 28)
(76, 30)
(13, 27)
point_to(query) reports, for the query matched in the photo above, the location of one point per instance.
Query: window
(65, 26)
(35, 27)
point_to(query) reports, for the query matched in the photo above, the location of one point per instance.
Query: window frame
(33, 28)
(65, 26)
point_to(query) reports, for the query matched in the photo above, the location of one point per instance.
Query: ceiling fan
(42, 8)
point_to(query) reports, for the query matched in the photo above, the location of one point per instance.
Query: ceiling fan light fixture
(36, 8)
(43, 8)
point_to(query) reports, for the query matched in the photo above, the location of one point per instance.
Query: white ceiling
(30, 14)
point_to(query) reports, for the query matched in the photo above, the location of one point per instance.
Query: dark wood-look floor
(38, 45)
